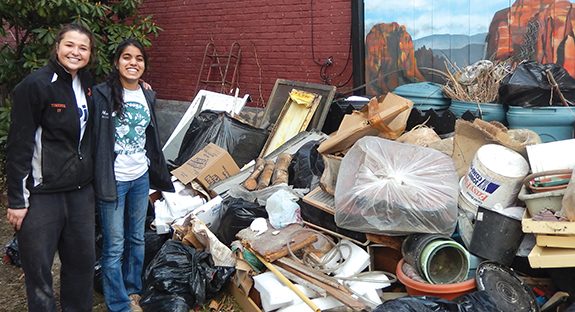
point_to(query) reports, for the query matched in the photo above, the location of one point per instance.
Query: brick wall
(275, 37)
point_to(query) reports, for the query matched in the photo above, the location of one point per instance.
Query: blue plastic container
(552, 123)
(424, 95)
(484, 111)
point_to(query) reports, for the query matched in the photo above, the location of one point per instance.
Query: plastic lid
(503, 160)
(428, 90)
(506, 288)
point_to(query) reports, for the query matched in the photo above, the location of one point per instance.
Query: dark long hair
(113, 80)
(79, 28)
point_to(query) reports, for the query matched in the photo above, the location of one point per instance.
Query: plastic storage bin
(484, 111)
(425, 95)
(552, 123)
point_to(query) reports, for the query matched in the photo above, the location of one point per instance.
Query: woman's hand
(146, 85)
(16, 216)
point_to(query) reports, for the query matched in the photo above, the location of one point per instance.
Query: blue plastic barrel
(484, 111)
(551, 123)
(424, 95)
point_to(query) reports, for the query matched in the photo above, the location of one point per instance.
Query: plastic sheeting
(528, 86)
(243, 141)
(181, 278)
(390, 188)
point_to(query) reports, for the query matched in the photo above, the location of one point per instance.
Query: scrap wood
(340, 295)
(272, 244)
(300, 268)
(287, 282)
(293, 277)
(251, 183)
(280, 174)
(266, 175)
(386, 240)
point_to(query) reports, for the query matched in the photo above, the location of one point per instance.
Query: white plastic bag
(390, 188)
(282, 209)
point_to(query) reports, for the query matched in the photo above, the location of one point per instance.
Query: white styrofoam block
(323, 303)
(304, 290)
(273, 292)
(354, 264)
(182, 200)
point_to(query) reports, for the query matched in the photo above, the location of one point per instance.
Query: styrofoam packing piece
(323, 303)
(306, 291)
(180, 202)
(273, 292)
(355, 264)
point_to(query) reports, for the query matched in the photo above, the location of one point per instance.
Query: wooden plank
(337, 293)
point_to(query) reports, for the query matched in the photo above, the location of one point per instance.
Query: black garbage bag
(306, 166)
(181, 278)
(12, 253)
(528, 86)
(154, 243)
(243, 141)
(479, 301)
(238, 215)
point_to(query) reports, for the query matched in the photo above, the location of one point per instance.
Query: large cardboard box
(208, 166)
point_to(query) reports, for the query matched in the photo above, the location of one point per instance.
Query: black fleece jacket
(104, 139)
(44, 152)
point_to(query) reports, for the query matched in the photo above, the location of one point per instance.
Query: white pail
(495, 175)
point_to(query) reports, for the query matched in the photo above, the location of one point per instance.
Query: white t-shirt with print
(131, 161)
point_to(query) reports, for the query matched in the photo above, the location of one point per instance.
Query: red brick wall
(275, 37)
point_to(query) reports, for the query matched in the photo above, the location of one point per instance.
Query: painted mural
(409, 40)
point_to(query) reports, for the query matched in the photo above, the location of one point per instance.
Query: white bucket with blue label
(495, 175)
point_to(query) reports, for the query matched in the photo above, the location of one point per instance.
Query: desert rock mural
(537, 30)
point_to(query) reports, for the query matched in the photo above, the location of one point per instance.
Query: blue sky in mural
(424, 18)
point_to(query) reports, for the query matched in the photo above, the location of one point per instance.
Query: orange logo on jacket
(58, 106)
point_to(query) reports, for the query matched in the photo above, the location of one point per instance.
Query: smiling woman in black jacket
(49, 169)
(128, 161)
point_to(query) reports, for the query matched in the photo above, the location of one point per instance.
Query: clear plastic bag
(390, 188)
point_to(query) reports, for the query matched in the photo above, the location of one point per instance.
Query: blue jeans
(123, 223)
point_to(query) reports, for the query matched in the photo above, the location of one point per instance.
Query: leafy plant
(4, 127)
(30, 27)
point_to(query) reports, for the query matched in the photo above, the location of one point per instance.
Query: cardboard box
(208, 166)
(547, 257)
(557, 241)
(546, 227)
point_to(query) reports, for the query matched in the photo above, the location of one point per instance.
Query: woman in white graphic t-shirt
(128, 162)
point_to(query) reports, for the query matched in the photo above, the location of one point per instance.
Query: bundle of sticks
(268, 172)
(483, 89)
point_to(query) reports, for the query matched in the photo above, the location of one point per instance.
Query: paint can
(495, 176)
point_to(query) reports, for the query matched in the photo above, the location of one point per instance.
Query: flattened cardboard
(208, 166)
(389, 113)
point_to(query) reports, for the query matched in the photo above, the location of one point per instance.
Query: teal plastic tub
(485, 111)
(553, 123)
(424, 95)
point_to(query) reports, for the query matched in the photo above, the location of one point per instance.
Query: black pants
(62, 222)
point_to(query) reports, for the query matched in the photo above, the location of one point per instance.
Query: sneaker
(135, 303)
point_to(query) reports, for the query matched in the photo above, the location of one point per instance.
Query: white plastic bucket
(495, 175)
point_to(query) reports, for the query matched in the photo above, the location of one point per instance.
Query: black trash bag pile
(181, 278)
(529, 86)
(306, 166)
(12, 252)
(238, 215)
(479, 301)
(243, 141)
